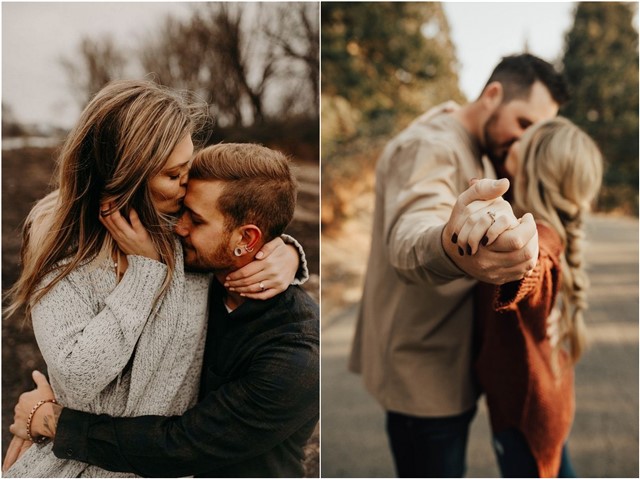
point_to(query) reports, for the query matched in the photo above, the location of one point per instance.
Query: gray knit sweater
(110, 349)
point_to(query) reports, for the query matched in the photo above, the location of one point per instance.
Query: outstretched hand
(482, 217)
(479, 217)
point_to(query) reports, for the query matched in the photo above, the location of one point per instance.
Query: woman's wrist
(302, 274)
(45, 420)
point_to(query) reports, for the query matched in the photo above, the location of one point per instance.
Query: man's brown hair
(517, 73)
(259, 188)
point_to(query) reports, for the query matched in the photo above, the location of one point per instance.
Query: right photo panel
(479, 256)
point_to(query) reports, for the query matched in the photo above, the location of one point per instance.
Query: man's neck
(231, 299)
(469, 117)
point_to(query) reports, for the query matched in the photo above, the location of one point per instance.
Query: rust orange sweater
(514, 358)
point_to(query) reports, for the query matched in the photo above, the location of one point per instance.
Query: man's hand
(478, 217)
(17, 447)
(510, 245)
(45, 420)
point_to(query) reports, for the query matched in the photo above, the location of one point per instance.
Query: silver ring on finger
(261, 286)
(493, 216)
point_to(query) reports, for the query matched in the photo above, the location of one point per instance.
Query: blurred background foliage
(390, 60)
(601, 66)
(384, 64)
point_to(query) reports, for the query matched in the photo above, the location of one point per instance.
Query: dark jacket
(259, 402)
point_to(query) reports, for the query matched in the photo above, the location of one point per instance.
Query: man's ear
(492, 96)
(251, 237)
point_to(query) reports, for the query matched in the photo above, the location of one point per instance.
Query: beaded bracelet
(41, 439)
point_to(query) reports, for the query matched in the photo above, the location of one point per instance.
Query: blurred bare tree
(297, 34)
(255, 63)
(241, 58)
(10, 124)
(186, 54)
(97, 62)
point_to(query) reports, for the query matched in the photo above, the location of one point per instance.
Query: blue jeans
(429, 447)
(515, 458)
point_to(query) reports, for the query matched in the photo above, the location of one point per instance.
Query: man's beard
(219, 261)
(492, 147)
(497, 160)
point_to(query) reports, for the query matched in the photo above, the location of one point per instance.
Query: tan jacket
(414, 333)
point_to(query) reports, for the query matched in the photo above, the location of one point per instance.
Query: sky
(36, 35)
(485, 32)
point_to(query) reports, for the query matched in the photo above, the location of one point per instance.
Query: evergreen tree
(601, 66)
(383, 64)
(388, 59)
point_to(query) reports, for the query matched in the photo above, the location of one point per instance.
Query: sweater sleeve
(85, 351)
(540, 288)
(419, 195)
(302, 275)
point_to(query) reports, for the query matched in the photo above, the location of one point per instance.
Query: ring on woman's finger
(261, 286)
(493, 216)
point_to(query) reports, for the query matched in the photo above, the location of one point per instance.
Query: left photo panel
(160, 239)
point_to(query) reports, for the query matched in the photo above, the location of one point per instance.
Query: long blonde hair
(559, 175)
(122, 140)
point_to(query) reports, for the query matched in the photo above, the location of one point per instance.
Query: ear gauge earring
(237, 251)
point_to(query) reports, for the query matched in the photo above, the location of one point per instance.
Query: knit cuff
(302, 275)
(510, 294)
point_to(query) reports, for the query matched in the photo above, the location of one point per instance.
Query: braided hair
(559, 175)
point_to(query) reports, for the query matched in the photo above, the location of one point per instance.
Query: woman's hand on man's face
(131, 236)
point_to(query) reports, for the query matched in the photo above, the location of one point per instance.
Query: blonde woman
(121, 326)
(527, 377)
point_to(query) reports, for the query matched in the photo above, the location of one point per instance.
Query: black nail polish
(460, 251)
(454, 238)
(484, 241)
(469, 250)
